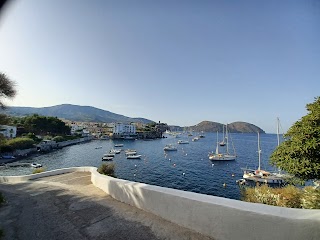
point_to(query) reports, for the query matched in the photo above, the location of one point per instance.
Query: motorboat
(109, 154)
(116, 151)
(36, 165)
(170, 147)
(106, 158)
(183, 142)
(130, 151)
(134, 156)
(118, 145)
(195, 139)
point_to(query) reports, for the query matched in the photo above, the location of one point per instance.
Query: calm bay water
(166, 170)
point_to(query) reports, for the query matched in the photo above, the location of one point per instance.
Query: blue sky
(179, 62)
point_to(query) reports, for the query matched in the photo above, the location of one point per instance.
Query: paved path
(68, 206)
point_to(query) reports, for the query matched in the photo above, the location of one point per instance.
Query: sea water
(188, 168)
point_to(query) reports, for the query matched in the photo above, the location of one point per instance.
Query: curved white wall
(218, 217)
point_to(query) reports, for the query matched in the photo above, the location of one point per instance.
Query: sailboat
(217, 156)
(259, 175)
(223, 143)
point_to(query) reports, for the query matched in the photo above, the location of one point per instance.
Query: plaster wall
(218, 217)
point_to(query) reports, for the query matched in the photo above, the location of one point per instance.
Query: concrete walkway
(68, 206)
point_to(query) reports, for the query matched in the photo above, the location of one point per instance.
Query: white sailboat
(259, 175)
(217, 156)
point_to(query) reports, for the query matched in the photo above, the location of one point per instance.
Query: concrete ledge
(220, 218)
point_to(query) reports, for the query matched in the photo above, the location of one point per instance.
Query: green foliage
(4, 119)
(33, 137)
(310, 198)
(7, 89)
(58, 139)
(20, 143)
(290, 196)
(299, 155)
(107, 169)
(42, 125)
(38, 170)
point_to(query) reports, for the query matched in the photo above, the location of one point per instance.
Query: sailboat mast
(259, 151)
(227, 138)
(278, 137)
(217, 148)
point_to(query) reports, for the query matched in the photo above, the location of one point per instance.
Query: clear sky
(174, 61)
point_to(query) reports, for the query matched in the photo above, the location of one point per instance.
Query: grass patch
(107, 169)
(38, 170)
(289, 196)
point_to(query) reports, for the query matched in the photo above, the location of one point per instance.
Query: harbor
(188, 168)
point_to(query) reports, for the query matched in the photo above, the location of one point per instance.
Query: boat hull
(222, 157)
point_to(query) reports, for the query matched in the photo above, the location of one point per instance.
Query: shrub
(38, 170)
(20, 143)
(310, 198)
(289, 196)
(58, 139)
(107, 169)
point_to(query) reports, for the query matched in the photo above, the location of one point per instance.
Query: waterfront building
(124, 129)
(8, 131)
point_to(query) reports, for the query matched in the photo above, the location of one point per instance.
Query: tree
(7, 89)
(300, 153)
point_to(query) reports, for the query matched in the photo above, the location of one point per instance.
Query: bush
(290, 196)
(38, 170)
(20, 143)
(107, 169)
(58, 139)
(310, 198)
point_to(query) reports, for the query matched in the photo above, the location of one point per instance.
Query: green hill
(75, 113)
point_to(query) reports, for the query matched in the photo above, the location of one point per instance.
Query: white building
(8, 131)
(126, 129)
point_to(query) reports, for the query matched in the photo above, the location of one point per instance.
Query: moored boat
(134, 156)
(262, 176)
(170, 147)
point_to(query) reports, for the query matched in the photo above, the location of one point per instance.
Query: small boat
(128, 138)
(134, 156)
(98, 147)
(170, 147)
(118, 145)
(116, 151)
(36, 165)
(106, 158)
(130, 151)
(183, 142)
(7, 157)
(109, 154)
(195, 139)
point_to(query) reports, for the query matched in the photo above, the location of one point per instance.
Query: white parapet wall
(220, 218)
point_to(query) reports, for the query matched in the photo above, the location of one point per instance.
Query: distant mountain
(75, 113)
(208, 126)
